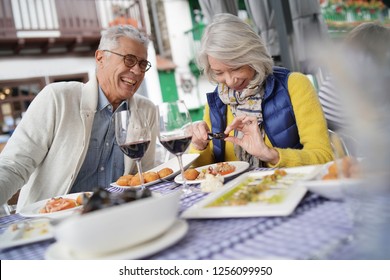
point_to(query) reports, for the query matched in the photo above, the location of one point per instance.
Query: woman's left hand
(252, 140)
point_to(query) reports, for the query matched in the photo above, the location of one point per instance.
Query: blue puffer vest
(278, 115)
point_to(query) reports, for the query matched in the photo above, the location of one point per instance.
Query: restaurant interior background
(46, 41)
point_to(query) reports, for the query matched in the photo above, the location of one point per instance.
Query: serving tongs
(217, 135)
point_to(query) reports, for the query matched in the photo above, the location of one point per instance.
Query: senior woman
(272, 116)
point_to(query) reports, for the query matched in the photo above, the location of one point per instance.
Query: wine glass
(132, 134)
(175, 132)
(339, 149)
(340, 152)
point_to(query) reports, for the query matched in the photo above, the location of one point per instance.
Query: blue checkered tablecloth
(316, 228)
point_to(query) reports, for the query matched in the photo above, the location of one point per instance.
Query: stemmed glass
(175, 132)
(132, 134)
(340, 151)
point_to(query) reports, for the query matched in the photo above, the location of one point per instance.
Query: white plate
(115, 185)
(289, 191)
(25, 232)
(170, 237)
(331, 189)
(172, 163)
(241, 166)
(32, 210)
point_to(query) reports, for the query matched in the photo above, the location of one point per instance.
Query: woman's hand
(251, 141)
(199, 135)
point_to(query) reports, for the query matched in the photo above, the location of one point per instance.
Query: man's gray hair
(110, 36)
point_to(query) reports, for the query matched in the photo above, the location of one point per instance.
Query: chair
(9, 207)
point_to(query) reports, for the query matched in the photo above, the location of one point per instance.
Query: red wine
(176, 145)
(135, 150)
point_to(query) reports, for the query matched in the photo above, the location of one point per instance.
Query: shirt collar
(103, 102)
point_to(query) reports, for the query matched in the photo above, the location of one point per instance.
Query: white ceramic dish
(241, 166)
(57, 251)
(25, 232)
(111, 229)
(115, 185)
(288, 190)
(172, 163)
(32, 210)
(331, 189)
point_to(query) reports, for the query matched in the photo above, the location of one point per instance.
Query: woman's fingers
(241, 123)
(200, 130)
(199, 135)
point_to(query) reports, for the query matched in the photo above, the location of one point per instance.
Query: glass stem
(141, 176)
(185, 186)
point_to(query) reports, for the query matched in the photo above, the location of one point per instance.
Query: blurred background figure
(368, 42)
(360, 72)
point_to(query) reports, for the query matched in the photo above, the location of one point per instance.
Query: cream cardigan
(48, 147)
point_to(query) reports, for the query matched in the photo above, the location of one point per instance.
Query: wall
(19, 68)
(29, 67)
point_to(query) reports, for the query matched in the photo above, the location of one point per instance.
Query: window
(16, 96)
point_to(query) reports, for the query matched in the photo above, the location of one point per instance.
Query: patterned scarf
(247, 102)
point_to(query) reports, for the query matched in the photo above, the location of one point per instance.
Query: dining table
(318, 228)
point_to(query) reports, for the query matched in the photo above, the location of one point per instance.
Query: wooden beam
(48, 45)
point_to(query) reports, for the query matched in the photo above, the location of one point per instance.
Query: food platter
(25, 232)
(279, 199)
(32, 210)
(240, 166)
(173, 163)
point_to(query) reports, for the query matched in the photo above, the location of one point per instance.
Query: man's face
(118, 81)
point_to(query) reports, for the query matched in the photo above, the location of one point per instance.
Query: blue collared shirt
(103, 163)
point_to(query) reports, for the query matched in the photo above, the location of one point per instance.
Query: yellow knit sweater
(312, 128)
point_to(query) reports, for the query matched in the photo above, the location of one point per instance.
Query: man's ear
(99, 56)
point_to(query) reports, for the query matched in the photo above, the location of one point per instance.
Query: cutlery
(217, 135)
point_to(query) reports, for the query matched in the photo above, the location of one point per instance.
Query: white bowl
(118, 227)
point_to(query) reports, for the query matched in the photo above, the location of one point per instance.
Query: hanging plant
(124, 21)
(120, 16)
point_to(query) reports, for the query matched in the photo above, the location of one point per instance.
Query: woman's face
(235, 78)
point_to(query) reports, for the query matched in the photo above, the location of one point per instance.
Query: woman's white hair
(232, 41)
(110, 36)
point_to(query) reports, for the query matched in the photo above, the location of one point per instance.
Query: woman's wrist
(275, 158)
(270, 155)
(196, 147)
